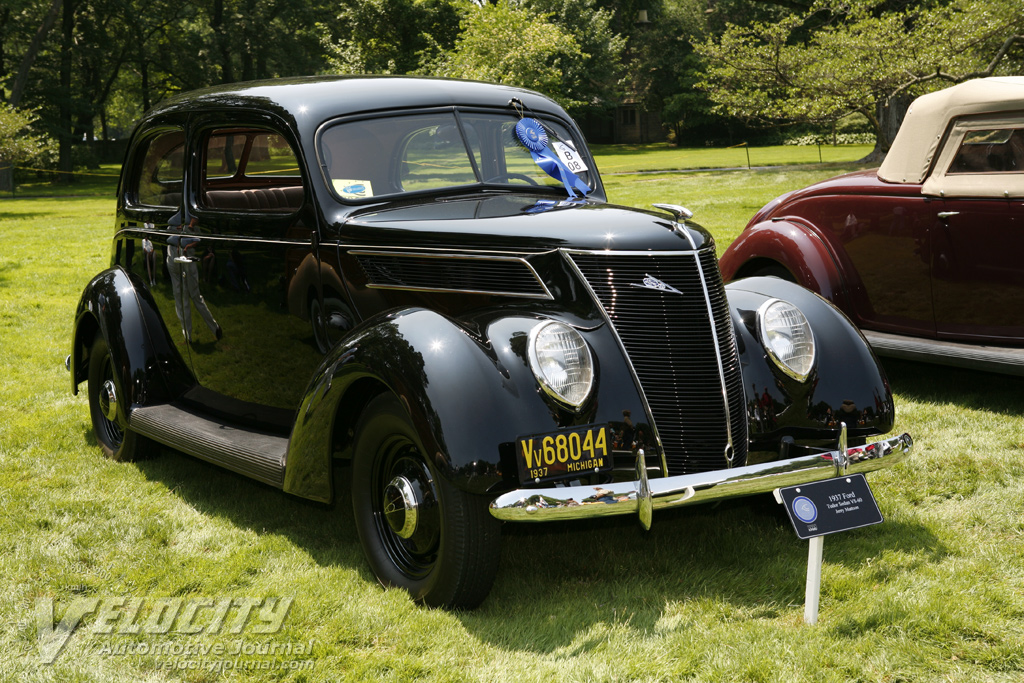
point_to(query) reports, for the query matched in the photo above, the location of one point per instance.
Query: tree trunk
(890, 113)
(33, 50)
(64, 162)
(21, 79)
(221, 37)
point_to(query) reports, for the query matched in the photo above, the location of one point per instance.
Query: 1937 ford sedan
(423, 278)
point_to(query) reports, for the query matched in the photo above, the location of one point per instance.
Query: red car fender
(792, 246)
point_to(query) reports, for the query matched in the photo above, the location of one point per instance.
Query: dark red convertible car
(924, 254)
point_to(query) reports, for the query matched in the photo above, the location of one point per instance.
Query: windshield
(399, 154)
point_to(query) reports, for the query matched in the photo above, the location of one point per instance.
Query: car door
(249, 271)
(150, 209)
(977, 269)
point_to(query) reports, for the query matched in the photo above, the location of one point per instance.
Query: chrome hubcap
(401, 507)
(108, 400)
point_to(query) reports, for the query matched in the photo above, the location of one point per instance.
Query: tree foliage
(89, 68)
(863, 58)
(563, 48)
(18, 140)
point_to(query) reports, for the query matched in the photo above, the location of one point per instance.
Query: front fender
(847, 383)
(470, 395)
(115, 305)
(792, 245)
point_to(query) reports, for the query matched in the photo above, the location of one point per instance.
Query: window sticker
(570, 157)
(353, 189)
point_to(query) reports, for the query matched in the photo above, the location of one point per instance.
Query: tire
(116, 440)
(774, 270)
(446, 554)
(316, 319)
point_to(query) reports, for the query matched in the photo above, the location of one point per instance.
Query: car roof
(312, 100)
(929, 117)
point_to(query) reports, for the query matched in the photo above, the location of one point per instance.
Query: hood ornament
(680, 213)
(651, 282)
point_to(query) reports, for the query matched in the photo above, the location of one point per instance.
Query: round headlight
(560, 359)
(786, 334)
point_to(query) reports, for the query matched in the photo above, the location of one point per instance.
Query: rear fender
(791, 245)
(116, 306)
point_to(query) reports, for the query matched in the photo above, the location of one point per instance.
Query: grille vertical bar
(672, 346)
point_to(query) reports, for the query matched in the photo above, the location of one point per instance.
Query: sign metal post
(827, 507)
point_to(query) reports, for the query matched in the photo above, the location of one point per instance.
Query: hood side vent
(491, 275)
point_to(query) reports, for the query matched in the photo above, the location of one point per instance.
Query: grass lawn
(660, 156)
(935, 593)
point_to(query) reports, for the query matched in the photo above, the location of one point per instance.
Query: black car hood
(518, 223)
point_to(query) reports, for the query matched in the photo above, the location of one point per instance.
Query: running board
(1004, 360)
(254, 454)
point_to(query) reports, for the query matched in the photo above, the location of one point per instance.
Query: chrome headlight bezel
(799, 362)
(575, 391)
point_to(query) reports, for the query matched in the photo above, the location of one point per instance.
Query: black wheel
(774, 270)
(330, 321)
(316, 319)
(117, 441)
(512, 176)
(418, 531)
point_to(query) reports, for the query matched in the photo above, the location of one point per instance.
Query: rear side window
(250, 170)
(160, 176)
(996, 150)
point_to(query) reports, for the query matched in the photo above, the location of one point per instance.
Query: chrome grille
(672, 347)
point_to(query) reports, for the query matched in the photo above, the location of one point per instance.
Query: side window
(160, 175)
(997, 150)
(250, 170)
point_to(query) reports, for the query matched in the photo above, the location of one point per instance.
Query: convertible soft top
(931, 116)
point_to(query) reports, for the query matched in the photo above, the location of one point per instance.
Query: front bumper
(643, 496)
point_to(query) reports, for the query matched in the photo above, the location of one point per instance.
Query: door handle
(947, 214)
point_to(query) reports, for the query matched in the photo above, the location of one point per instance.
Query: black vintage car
(423, 278)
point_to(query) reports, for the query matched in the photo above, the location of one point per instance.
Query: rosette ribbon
(531, 135)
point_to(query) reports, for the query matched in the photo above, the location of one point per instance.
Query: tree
(389, 36)
(662, 68)
(590, 78)
(507, 43)
(18, 142)
(562, 48)
(864, 58)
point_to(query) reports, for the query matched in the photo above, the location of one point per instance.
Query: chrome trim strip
(730, 448)
(843, 461)
(623, 498)
(645, 500)
(457, 257)
(567, 254)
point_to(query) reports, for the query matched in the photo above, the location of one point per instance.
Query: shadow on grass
(562, 585)
(968, 388)
(560, 581)
(739, 560)
(326, 532)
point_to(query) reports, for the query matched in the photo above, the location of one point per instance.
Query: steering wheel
(511, 176)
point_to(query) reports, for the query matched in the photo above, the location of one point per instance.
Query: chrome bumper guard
(643, 496)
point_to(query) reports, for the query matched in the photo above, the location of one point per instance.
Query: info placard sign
(830, 506)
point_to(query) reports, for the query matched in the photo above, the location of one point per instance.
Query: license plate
(561, 454)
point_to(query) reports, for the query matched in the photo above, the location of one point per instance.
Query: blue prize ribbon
(531, 135)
